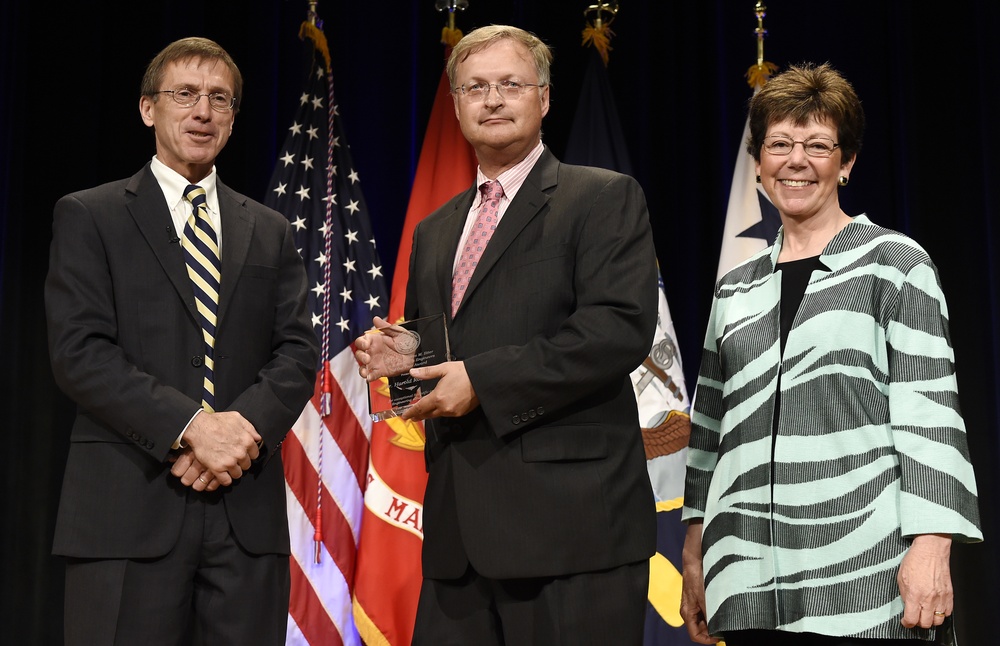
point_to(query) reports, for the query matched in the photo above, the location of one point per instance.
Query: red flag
(447, 167)
(387, 582)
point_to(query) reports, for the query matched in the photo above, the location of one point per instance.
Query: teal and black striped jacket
(805, 532)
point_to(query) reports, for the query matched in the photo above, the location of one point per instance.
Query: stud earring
(758, 179)
(843, 180)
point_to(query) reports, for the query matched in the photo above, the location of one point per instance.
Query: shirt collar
(513, 178)
(173, 184)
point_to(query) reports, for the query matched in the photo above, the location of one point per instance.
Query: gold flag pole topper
(758, 73)
(309, 29)
(449, 34)
(598, 33)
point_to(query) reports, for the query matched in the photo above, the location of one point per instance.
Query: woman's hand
(693, 587)
(925, 581)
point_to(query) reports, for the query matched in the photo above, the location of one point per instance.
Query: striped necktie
(201, 254)
(480, 234)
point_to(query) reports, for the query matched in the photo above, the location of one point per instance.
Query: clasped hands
(378, 357)
(220, 449)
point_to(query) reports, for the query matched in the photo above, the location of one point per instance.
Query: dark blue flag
(596, 139)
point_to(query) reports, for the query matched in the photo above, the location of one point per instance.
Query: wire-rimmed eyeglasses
(509, 90)
(780, 146)
(219, 101)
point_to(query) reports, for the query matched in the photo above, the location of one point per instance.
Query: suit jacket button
(516, 420)
(541, 411)
(531, 413)
(196, 361)
(524, 417)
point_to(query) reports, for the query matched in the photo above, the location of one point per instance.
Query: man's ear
(146, 109)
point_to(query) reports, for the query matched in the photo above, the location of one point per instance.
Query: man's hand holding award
(386, 355)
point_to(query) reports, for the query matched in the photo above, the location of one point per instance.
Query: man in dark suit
(538, 514)
(172, 515)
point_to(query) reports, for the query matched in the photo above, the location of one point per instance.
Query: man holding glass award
(531, 298)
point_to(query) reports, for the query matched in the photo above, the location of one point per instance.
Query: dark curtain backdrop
(926, 72)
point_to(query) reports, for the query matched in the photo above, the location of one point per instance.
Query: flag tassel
(599, 36)
(325, 408)
(318, 534)
(326, 391)
(598, 33)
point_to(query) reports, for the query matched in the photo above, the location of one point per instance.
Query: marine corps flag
(596, 139)
(447, 166)
(388, 579)
(315, 186)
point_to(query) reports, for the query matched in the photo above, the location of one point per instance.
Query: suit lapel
(237, 230)
(144, 201)
(530, 199)
(449, 236)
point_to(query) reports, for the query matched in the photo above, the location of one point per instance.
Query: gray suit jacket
(548, 476)
(126, 346)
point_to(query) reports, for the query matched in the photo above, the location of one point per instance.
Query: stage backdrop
(926, 72)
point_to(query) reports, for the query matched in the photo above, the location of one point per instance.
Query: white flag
(664, 408)
(751, 220)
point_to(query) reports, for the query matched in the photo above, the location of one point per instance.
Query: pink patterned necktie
(479, 236)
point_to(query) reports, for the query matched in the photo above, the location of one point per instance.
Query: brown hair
(200, 49)
(804, 92)
(483, 37)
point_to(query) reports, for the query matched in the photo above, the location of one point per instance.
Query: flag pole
(314, 32)
(598, 33)
(760, 11)
(758, 73)
(751, 220)
(450, 35)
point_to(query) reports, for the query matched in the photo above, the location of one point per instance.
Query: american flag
(325, 455)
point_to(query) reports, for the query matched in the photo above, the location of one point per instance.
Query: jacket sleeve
(89, 360)
(938, 485)
(706, 423)
(604, 336)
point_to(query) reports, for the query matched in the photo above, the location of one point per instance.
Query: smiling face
(188, 140)
(502, 131)
(803, 187)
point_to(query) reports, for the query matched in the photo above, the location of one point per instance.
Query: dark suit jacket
(126, 346)
(548, 476)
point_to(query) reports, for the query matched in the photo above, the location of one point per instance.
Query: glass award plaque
(409, 344)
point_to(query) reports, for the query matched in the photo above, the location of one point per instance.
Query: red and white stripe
(327, 456)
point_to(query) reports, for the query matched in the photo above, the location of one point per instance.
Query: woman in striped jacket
(828, 470)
